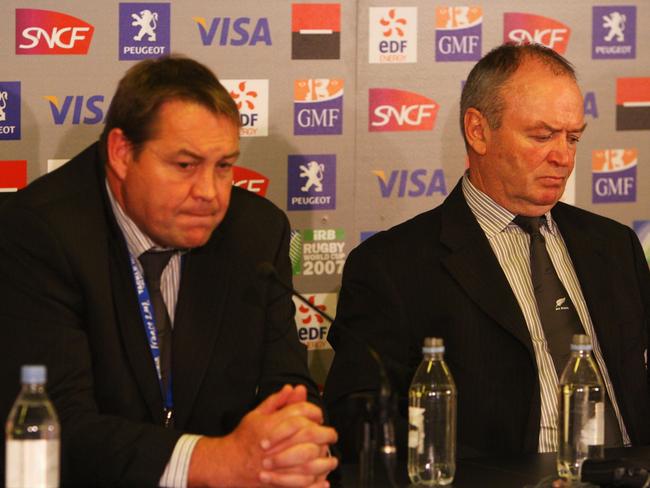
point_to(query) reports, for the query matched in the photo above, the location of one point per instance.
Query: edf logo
(614, 175)
(318, 107)
(392, 35)
(252, 99)
(234, 31)
(77, 109)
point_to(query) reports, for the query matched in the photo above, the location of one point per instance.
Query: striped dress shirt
(176, 471)
(510, 245)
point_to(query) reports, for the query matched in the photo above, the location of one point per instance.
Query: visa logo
(414, 183)
(90, 108)
(234, 31)
(399, 110)
(590, 106)
(49, 32)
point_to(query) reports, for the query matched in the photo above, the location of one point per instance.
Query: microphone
(615, 472)
(268, 272)
(388, 448)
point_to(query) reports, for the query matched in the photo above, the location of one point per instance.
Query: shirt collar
(136, 241)
(491, 216)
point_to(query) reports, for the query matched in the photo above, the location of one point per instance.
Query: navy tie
(556, 311)
(153, 264)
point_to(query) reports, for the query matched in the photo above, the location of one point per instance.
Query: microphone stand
(375, 406)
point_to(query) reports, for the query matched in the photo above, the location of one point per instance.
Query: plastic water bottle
(32, 435)
(581, 411)
(432, 419)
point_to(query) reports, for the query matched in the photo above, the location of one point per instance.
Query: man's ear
(120, 153)
(477, 130)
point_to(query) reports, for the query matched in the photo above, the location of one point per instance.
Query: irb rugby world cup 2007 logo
(317, 252)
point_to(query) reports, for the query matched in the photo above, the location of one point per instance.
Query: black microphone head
(266, 270)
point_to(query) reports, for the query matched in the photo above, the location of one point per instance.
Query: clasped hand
(281, 443)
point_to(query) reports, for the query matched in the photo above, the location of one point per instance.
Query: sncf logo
(398, 110)
(528, 28)
(48, 32)
(250, 180)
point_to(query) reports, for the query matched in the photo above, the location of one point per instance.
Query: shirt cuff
(175, 474)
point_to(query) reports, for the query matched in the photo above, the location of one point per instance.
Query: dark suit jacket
(436, 275)
(67, 300)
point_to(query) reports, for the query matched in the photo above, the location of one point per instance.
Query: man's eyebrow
(544, 125)
(187, 153)
(191, 154)
(581, 129)
(232, 155)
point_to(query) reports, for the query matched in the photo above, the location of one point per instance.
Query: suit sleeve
(285, 357)
(643, 278)
(369, 311)
(42, 321)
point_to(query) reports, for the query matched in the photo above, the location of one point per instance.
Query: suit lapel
(130, 325)
(202, 299)
(474, 266)
(127, 312)
(591, 261)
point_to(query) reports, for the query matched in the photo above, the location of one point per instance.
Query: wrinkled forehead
(535, 84)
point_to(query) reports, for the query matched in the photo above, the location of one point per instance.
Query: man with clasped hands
(475, 271)
(215, 411)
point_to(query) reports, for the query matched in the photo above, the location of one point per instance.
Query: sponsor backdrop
(349, 109)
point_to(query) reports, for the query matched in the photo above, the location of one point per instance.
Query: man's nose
(205, 185)
(562, 152)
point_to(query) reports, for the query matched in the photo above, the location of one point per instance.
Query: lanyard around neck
(149, 324)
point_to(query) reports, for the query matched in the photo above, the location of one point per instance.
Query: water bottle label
(416, 428)
(593, 431)
(33, 463)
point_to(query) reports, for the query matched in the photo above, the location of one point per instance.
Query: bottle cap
(433, 345)
(33, 373)
(581, 342)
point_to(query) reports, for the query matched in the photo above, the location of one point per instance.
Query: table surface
(535, 470)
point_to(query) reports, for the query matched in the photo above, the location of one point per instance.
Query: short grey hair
(483, 89)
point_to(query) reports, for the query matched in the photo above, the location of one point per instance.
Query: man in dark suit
(462, 272)
(191, 395)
